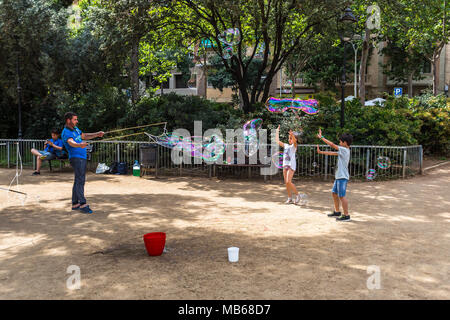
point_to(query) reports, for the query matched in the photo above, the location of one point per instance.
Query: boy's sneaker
(344, 218)
(289, 201)
(36, 173)
(334, 214)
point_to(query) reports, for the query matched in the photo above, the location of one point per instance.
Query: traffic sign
(398, 92)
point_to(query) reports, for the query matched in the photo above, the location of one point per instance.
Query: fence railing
(404, 160)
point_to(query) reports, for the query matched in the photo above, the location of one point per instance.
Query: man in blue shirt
(72, 138)
(53, 150)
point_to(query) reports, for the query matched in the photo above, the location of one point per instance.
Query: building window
(426, 67)
(180, 82)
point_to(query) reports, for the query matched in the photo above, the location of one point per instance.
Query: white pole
(356, 70)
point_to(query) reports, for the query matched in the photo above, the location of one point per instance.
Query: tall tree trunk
(435, 77)
(362, 67)
(246, 104)
(410, 84)
(434, 63)
(267, 84)
(134, 72)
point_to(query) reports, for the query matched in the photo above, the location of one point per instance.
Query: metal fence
(404, 161)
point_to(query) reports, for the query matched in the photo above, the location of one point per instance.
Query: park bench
(62, 161)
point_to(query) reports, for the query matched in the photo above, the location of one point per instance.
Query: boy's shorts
(47, 155)
(340, 187)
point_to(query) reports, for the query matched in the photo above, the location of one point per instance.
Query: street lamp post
(19, 100)
(343, 83)
(346, 19)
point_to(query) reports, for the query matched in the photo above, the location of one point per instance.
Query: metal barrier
(404, 161)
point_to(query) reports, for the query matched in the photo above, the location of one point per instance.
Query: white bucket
(233, 254)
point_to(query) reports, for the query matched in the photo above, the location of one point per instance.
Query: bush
(179, 112)
(434, 115)
(388, 125)
(423, 120)
(401, 121)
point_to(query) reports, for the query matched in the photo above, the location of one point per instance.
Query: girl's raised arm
(277, 137)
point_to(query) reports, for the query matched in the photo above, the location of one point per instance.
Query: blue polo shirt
(58, 143)
(75, 134)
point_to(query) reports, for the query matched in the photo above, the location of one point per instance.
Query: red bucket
(154, 243)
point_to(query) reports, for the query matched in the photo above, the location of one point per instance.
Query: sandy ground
(286, 251)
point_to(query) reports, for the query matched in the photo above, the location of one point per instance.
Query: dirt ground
(286, 251)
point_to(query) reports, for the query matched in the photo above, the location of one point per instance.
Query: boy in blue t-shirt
(53, 149)
(72, 138)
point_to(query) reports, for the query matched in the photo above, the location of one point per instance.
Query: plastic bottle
(136, 169)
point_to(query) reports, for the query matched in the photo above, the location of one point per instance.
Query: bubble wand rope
(137, 127)
(17, 175)
(127, 135)
(131, 128)
(10, 190)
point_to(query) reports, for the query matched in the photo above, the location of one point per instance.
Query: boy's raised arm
(328, 142)
(330, 153)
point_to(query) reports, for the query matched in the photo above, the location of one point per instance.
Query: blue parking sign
(398, 92)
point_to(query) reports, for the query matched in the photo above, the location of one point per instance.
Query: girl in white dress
(289, 164)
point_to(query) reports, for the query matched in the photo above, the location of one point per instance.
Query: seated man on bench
(53, 150)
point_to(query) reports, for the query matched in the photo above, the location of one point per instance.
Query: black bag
(112, 168)
(122, 168)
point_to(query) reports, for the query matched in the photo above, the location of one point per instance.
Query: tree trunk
(362, 68)
(246, 105)
(134, 72)
(410, 84)
(435, 78)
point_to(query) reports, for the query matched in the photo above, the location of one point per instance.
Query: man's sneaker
(36, 173)
(334, 214)
(344, 218)
(289, 201)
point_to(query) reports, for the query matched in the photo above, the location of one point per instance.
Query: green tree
(424, 26)
(279, 25)
(121, 26)
(404, 64)
(32, 53)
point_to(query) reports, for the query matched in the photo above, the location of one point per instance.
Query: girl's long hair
(295, 141)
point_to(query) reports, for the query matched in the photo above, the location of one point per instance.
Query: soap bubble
(303, 199)
(208, 148)
(230, 37)
(227, 52)
(371, 174)
(250, 129)
(281, 105)
(277, 159)
(383, 162)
